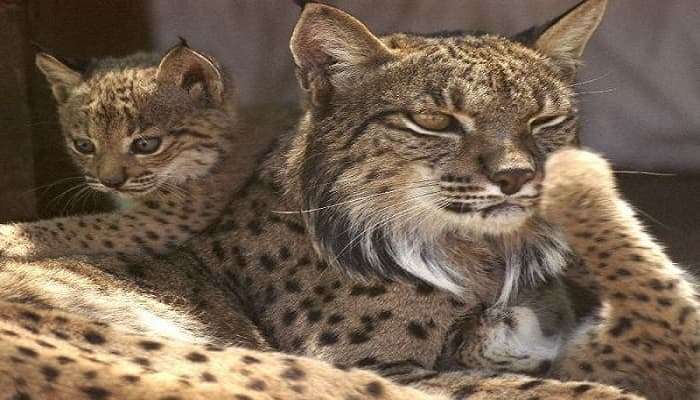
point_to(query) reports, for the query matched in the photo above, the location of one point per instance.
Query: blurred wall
(642, 109)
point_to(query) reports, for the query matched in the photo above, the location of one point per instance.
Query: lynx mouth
(502, 208)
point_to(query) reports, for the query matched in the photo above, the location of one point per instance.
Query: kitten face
(133, 130)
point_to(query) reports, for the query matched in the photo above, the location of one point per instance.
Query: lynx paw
(575, 180)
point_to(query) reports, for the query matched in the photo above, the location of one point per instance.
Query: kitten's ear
(331, 48)
(192, 71)
(61, 77)
(565, 38)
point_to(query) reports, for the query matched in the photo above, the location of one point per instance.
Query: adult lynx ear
(565, 38)
(331, 49)
(61, 77)
(192, 71)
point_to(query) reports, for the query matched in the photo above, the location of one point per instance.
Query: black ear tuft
(79, 65)
(564, 38)
(183, 42)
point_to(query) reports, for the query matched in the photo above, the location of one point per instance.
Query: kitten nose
(113, 182)
(512, 180)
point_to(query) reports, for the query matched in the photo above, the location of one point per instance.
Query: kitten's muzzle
(113, 182)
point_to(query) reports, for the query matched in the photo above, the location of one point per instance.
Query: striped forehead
(486, 71)
(115, 98)
(111, 103)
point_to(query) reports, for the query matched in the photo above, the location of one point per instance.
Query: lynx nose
(113, 182)
(512, 180)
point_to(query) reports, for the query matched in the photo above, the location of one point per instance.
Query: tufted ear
(332, 49)
(192, 71)
(61, 77)
(565, 38)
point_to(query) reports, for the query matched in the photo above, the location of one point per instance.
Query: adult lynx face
(141, 123)
(414, 140)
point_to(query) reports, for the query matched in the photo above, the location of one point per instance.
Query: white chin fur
(494, 224)
(415, 250)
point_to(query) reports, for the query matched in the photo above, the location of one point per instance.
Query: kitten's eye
(546, 121)
(436, 122)
(84, 146)
(145, 145)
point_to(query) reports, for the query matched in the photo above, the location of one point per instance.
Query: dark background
(642, 108)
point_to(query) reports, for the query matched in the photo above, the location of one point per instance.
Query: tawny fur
(172, 194)
(280, 246)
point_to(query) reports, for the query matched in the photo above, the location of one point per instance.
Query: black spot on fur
(293, 374)
(359, 337)
(292, 286)
(289, 317)
(208, 377)
(664, 301)
(582, 388)
(327, 338)
(586, 367)
(250, 360)
(30, 315)
(218, 250)
(284, 253)
(90, 375)
(93, 337)
(254, 227)
(141, 361)
(623, 325)
(131, 378)
(385, 315)
(685, 313)
(197, 357)
(656, 285)
(150, 345)
(27, 351)
(366, 362)
(465, 391)
(335, 319)
(314, 316)
(531, 384)
(416, 330)
(63, 360)
(257, 385)
(50, 373)
(267, 262)
(96, 393)
(375, 389)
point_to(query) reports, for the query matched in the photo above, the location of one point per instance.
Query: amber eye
(84, 146)
(436, 122)
(145, 145)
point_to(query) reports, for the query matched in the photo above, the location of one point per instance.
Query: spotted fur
(176, 102)
(283, 260)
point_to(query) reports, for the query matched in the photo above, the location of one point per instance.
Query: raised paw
(575, 180)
